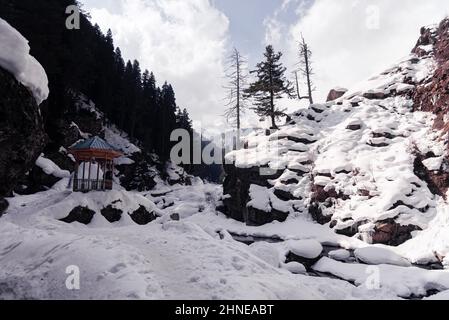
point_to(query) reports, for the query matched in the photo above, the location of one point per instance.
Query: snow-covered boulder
(294, 267)
(101, 208)
(305, 252)
(266, 252)
(340, 255)
(377, 255)
(309, 249)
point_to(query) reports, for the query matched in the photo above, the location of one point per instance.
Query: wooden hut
(94, 165)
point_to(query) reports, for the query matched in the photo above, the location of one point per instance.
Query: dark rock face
(142, 217)
(3, 206)
(87, 121)
(354, 127)
(433, 95)
(334, 94)
(257, 217)
(437, 181)
(63, 133)
(111, 214)
(323, 198)
(22, 136)
(40, 181)
(236, 185)
(307, 263)
(390, 233)
(426, 38)
(375, 95)
(351, 230)
(316, 212)
(80, 214)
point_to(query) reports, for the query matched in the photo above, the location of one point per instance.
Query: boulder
(336, 93)
(22, 136)
(142, 216)
(3, 205)
(377, 256)
(305, 252)
(256, 217)
(375, 95)
(111, 214)
(295, 267)
(236, 188)
(390, 233)
(340, 255)
(80, 214)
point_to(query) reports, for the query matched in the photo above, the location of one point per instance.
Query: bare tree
(297, 87)
(305, 67)
(237, 80)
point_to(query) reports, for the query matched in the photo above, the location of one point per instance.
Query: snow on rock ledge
(15, 57)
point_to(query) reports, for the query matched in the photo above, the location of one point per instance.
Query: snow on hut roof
(93, 143)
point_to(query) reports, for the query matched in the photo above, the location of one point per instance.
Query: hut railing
(91, 185)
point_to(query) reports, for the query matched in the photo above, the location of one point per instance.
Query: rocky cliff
(372, 162)
(22, 136)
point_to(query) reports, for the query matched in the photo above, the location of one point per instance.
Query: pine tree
(137, 97)
(183, 120)
(271, 85)
(166, 119)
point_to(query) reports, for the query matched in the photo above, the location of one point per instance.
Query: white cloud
(354, 39)
(181, 41)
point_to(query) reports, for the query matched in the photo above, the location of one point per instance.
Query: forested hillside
(86, 61)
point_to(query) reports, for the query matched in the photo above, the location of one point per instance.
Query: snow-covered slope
(368, 165)
(162, 260)
(15, 57)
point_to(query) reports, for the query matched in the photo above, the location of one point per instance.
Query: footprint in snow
(117, 268)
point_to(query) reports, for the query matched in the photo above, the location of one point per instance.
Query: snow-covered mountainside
(346, 201)
(371, 164)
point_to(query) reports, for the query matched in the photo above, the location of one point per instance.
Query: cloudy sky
(186, 42)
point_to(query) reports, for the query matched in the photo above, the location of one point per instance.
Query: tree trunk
(297, 85)
(309, 84)
(273, 118)
(238, 102)
(238, 92)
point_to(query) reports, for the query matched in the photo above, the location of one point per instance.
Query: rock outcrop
(142, 216)
(80, 214)
(3, 205)
(433, 94)
(369, 163)
(236, 186)
(336, 93)
(22, 135)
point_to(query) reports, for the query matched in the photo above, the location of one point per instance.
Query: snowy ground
(194, 258)
(163, 260)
